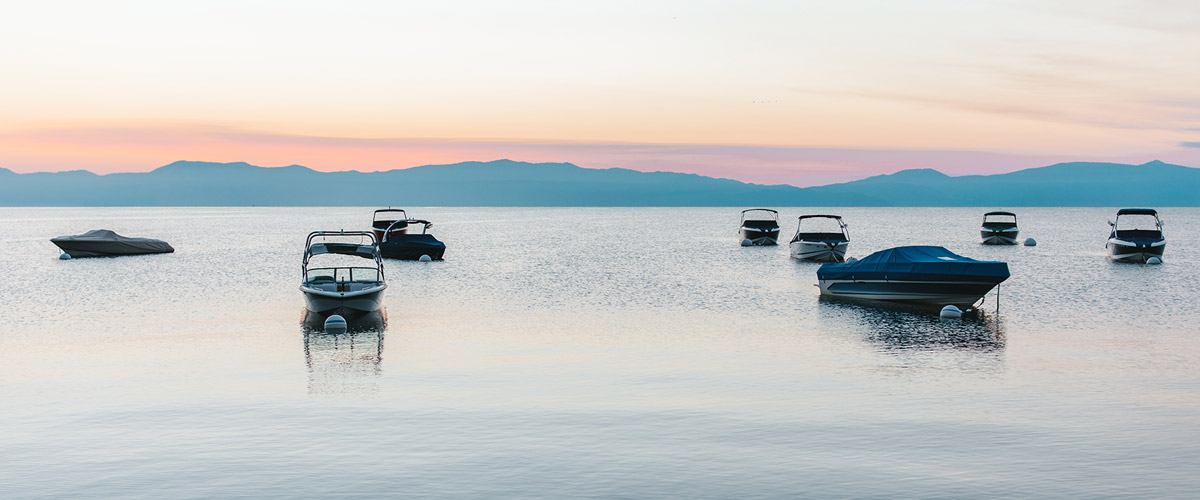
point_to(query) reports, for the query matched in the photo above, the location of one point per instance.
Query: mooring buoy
(335, 324)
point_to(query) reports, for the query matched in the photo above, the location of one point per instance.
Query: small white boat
(1136, 236)
(999, 228)
(349, 291)
(760, 226)
(827, 244)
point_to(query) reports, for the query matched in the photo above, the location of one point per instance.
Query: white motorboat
(347, 290)
(827, 243)
(1136, 236)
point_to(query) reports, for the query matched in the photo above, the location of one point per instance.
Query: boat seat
(326, 286)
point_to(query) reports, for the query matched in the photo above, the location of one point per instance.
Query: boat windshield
(820, 228)
(386, 217)
(342, 275)
(1138, 226)
(999, 218)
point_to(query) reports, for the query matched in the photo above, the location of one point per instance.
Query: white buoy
(335, 324)
(950, 312)
(746, 242)
(1030, 242)
(64, 256)
(425, 258)
(851, 260)
(1154, 260)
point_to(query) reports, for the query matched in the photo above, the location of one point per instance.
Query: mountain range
(513, 183)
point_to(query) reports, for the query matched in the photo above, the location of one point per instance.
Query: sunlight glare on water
(591, 353)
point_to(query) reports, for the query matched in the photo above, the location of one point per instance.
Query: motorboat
(347, 290)
(1136, 236)
(389, 220)
(105, 243)
(928, 275)
(760, 226)
(829, 245)
(391, 225)
(999, 228)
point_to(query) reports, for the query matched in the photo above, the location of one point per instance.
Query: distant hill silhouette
(512, 183)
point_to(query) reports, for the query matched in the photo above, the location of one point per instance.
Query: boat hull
(350, 305)
(1135, 251)
(412, 247)
(939, 293)
(760, 237)
(819, 250)
(999, 237)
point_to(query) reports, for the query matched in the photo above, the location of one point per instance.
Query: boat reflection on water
(345, 364)
(899, 327)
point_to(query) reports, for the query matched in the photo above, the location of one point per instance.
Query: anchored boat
(1136, 236)
(999, 228)
(347, 290)
(914, 274)
(829, 245)
(391, 225)
(105, 243)
(760, 226)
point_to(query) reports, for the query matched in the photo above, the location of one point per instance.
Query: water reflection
(346, 363)
(899, 327)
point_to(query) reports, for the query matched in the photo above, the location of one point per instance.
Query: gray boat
(105, 243)
(349, 291)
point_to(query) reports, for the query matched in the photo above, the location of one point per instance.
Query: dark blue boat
(916, 274)
(395, 242)
(1136, 236)
(760, 226)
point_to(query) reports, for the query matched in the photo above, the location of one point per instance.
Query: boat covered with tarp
(106, 243)
(915, 274)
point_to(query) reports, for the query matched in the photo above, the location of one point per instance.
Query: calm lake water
(591, 353)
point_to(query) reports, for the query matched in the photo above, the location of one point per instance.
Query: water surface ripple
(591, 353)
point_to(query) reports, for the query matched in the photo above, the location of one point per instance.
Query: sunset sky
(770, 91)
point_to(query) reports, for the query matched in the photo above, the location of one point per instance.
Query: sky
(793, 92)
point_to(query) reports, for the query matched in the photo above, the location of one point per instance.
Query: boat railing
(375, 217)
(774, 215)
(368, 248)
(843, 233)
(1135, 225)
(403, 225)
(364, 237)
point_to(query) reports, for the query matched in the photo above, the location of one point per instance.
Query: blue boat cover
(916, 263)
